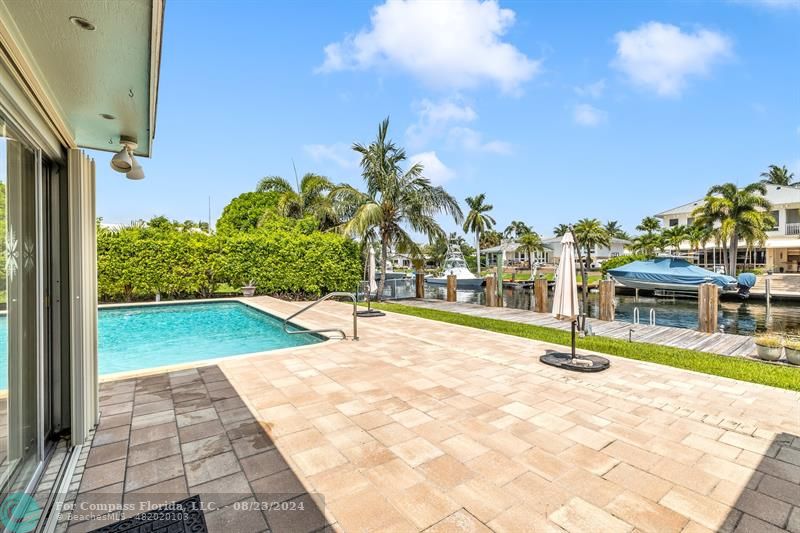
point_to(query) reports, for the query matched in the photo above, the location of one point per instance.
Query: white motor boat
(455, 265)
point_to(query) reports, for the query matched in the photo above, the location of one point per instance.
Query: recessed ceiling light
(82, 23)
(107, 116)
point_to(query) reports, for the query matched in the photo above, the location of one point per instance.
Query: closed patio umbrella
(565, 307)
(372, 286)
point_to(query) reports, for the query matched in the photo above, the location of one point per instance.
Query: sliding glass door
(20, 312)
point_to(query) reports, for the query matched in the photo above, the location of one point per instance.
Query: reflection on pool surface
(146, 336)
(745, 318)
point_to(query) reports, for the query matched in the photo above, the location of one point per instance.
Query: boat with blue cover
(675, 274)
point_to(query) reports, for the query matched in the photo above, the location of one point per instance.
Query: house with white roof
(780, 252)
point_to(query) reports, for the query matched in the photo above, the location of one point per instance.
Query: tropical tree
(397, 199)
(316, 195)
(614, 230)
(561, 230)
(588, 234)
(674, 237)
(649, 225)
(776, 175)
(516, 229)
(734, 212)
(647, 243)
(531, 243)
(491, 238)
(698, 235)
(478, 221)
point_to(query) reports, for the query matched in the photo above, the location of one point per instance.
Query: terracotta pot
(793, 356)
(249, 290)
(768, 353)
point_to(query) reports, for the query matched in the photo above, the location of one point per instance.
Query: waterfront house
(780, 252)
(516, 255)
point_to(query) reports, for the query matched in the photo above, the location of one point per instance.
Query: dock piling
(491, 291)
(707, 307)
(540, 295)
(607, 303)
(451, 287)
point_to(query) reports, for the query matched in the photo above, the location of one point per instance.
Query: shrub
(282, 257)
(621, 260)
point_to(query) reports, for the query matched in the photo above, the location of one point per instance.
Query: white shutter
(83, 294)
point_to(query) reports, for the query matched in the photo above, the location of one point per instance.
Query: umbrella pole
(574, 323)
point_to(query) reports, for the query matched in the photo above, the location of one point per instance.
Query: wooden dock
(718, 343)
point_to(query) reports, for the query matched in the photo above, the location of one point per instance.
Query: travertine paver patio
(428, 426)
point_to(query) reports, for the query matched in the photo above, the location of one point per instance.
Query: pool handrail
(326, 330)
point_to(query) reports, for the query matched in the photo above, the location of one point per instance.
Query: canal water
(745, 317)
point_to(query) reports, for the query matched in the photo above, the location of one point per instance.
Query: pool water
(147, 336)
(132, 338)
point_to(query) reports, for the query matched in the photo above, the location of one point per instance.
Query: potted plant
(793, 351)
(769, 347)
(249, 289)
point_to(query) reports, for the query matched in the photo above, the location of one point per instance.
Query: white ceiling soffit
(87, 75)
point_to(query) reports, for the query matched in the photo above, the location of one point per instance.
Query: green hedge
(283, 257)
(622, 260)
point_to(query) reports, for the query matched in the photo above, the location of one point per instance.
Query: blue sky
(556, 110)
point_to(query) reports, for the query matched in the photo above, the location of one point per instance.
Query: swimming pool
(147, 336)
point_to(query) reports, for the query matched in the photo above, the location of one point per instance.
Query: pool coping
(128, 374)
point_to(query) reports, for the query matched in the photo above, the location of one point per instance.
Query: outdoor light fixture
(124, 162)
(136, 172)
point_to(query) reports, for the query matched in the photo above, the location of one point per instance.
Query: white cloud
(587, 115)
(434, 169)
(434, 118)
(453, 44)
(472, 140)
(446, 120)
(339, 153)
(593, 90)
(661, 57)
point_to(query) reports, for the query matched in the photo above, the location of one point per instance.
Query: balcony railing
(793, 228)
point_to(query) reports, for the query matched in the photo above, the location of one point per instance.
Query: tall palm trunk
(478, 249)
(732, 251)
(384, 262)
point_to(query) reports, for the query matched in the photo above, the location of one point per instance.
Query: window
(689, 221)
(776, 215)
(673, 222)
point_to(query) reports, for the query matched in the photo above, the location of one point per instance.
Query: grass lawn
(717, 365)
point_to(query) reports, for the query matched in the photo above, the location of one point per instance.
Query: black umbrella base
(369, 313)
(583, 363)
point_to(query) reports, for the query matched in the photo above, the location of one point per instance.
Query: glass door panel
(19, 399)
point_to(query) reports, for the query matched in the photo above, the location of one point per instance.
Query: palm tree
(734, 212)
(614, 230)
(776, 175)
(561, 230)
(478, 221)
(698, 235)
(531, 243)
(589, 233)
(647, 243)
(491, 237)
(649, 225)
(674, 237)
(316, 195)
(516, 229)
(397, 199)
